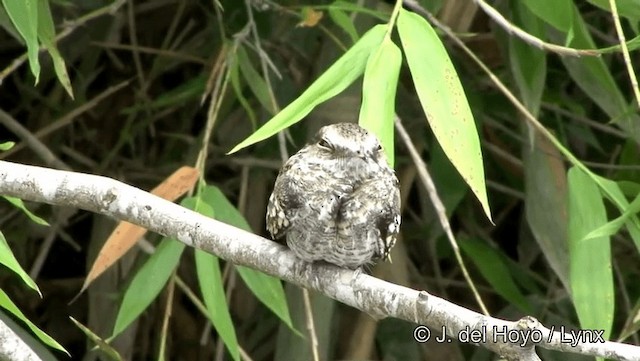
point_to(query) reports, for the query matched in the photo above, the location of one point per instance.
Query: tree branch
(12, 347)
(374, 296)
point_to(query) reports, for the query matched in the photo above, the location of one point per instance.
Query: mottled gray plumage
(337, 199)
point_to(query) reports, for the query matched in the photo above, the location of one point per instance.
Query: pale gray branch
(12, 347)
(374, 296)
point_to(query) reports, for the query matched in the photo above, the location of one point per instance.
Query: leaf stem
(392, 20)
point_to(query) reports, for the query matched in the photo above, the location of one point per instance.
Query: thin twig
(168, 310)
(153, 51)
(193, 297)
(526, 37)
(133, 37)
(251, 162)
(264, 58)
(217, 95)
(67, 118)
(230, 275)
(608, 166)
(264, 62)
(311, 327)
(509, 157)
(625, 51)
(589, 122)
(45, 247)
(174, 24)
(506, 190)
(427, 182)
(32, 142)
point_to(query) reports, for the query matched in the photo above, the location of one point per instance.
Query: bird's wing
(372, 214)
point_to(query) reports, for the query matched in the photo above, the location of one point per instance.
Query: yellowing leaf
(310, 17)
(127, 234)
(443, 101)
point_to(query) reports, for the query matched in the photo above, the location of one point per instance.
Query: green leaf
(149, 280)
(632, 44)
(210, 280)
(451, 187)
(334, 80)
(267, 289)
(379, 94)
(18, 203)
(443, 101)
(594, 78)
(614, 193)
(255, 81)
(627, 8)
(545, 205)
(8, 305)
(46, 34)
(4, 146)
(7, 25)
(590, 259)
(495, 270)
(185, 92)
(528, 64)
(9, 260)
(628, 157)
(344, 22)
(557, 13)
(24, 16)
(351, 6)
(612, 227)
(632, 323)
(234, 72)
(103, 345)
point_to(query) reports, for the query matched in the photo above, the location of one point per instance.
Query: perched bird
(337, 199)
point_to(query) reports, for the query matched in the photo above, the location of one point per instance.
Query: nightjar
(337, 199)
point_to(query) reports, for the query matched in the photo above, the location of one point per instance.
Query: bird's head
(349, 141)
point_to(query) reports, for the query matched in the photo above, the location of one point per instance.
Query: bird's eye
(379, 149)
(324, 144)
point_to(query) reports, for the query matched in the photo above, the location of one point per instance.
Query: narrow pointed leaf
(24, 16)
(46, 34)
(443, 101)
(344, 21)
(210, 279)
(333, 81)
(18, 203)
(211, 286)
(7, 304)
(6, 145)
(9, 260)
(612, 227)
(267, 289)
(126, 234)
(495, 270)
(148, 282)
(102, 344)
(379, 94)
(591, 272)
